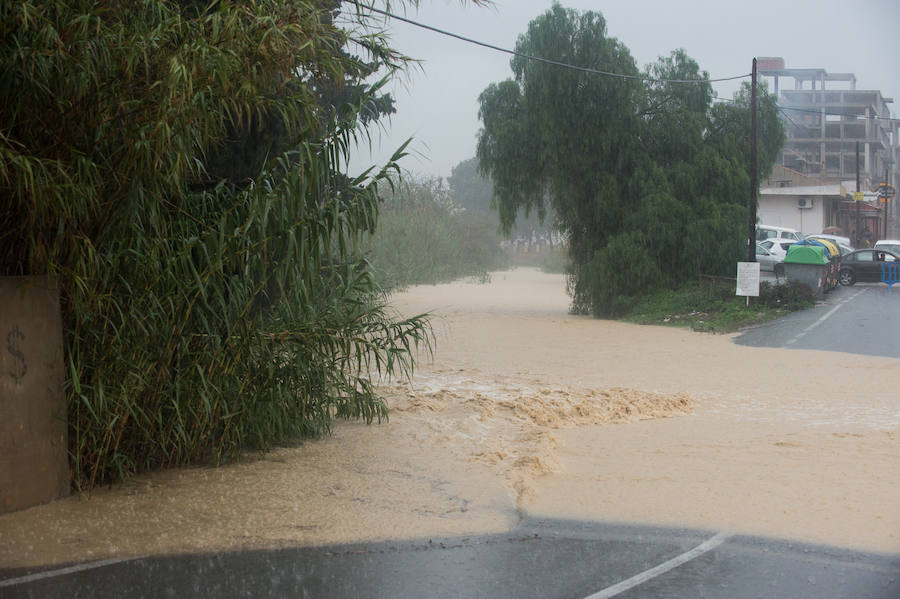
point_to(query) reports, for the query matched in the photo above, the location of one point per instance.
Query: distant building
(824, 117)
(791, 199)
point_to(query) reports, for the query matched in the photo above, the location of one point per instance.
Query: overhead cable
(818, 111)
(780, 109)
(547, 60)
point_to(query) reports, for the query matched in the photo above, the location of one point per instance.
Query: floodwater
(525, 409)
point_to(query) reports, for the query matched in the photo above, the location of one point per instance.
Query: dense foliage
(424, 236)
(178, 165)
(648, 179)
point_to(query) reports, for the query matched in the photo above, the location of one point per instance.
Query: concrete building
(824, 117)
(791, 199)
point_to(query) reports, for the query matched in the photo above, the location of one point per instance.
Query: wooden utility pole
(885, 204)
(858, 201)
(754, 184)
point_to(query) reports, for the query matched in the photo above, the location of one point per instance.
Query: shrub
(788, 296)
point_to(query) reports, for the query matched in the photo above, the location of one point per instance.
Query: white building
(791, 199)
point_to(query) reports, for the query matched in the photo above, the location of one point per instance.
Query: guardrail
(890, 274)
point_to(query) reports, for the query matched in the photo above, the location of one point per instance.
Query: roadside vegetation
(640, 172)
(553, 260)
(425, 237)
(181, 167)
(713, 307)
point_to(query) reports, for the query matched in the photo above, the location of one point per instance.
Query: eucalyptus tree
(634, 163)
(181, 167)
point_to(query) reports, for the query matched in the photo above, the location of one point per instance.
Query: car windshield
(889, 246)
(406, 299)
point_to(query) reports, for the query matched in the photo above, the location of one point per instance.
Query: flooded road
(527, 411)
(787, 443)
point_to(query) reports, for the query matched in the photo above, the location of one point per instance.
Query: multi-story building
(825, 116)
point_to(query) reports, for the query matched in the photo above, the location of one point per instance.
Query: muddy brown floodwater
(525, 409)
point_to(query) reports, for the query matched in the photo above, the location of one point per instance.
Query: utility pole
(858, 200)
(884, 205)
(754, 184)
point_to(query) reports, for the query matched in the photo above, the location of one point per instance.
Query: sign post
(885, 191)
(747, 280)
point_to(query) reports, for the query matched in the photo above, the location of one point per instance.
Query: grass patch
(713, 307)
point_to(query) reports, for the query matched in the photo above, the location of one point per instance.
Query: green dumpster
(807, 264)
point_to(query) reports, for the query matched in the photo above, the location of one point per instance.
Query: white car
(764, 232)
(777, 246)
(845, 241)
(891, 245)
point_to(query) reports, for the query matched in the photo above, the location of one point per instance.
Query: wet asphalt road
(863, 319)
(541, 559)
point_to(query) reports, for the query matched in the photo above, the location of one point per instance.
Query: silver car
(767, 260)
(777, 247)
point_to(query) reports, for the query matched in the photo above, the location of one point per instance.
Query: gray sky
(438, 104)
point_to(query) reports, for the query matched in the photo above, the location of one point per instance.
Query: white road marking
(61, 572)
(664, 567)
(822, 319)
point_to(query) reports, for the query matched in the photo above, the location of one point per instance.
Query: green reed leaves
(179, 166)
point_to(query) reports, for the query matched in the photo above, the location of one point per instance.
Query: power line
(819, 112)
(782, 111)
(547, 60)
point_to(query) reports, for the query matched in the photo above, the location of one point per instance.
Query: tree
(180, 165)
(469, 188)
(632, 165)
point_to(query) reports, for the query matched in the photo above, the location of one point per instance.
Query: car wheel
(847, 277)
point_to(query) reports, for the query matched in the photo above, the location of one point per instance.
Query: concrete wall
(33, 464)
(782, 174)
(782, 211)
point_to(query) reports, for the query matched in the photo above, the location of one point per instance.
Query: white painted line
(9, 582)
(822, 318)
(664, 567)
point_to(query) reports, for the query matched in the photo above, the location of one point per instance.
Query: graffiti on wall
(18, 365)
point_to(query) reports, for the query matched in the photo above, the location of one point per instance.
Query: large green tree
(640, 172)
(181, 167)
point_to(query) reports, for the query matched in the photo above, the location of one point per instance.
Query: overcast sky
(437, 105)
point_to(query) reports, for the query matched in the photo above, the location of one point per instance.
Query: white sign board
(747, 279)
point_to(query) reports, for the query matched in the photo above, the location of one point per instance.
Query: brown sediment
(522, 417)
(528, 409)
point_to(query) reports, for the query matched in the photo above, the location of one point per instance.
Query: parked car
(764, 232)
(891, 245)
(777, 246)
(840, 241)
(864, 265)
(767, 260)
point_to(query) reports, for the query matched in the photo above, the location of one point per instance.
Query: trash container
(833, 254)
(808, 264)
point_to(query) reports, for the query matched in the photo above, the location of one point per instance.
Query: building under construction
(825, 116)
